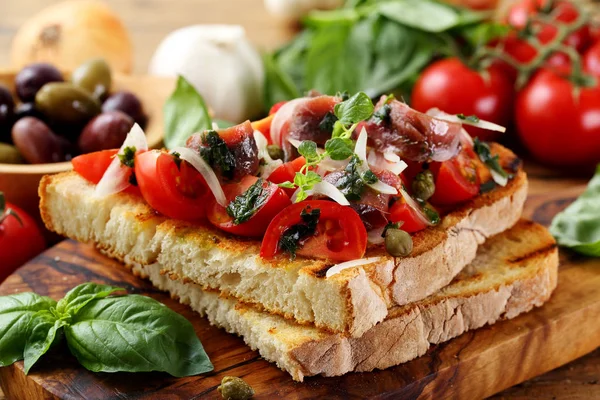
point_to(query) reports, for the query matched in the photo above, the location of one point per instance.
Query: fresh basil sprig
(184, 113)
(578, 226)
(105, 333)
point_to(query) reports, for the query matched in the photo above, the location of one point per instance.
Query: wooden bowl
(19, 182)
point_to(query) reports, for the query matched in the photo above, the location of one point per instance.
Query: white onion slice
(487, 125)
(326, 189)
(361, 152)
(205, 170)
(499, 179)
(294, 142)
(380, 161)
(413, 204)
(283, 115)
(116, 176)
(391, 157)
(374, 236)
(336, 269)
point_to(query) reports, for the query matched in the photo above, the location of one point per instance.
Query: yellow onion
(69, 33)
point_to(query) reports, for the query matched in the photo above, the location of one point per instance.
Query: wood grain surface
(476, 364)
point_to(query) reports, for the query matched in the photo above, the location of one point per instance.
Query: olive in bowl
(106, 131)
(7, 106)
(66, 104)
(37, 143)
(33, 77)
(128, 103)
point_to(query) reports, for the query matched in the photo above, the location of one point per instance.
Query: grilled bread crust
(351, 302)
(512, 273)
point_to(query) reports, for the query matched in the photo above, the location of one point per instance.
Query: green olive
(9, 154)
(424, 185)
(234, 388)
(275, 152)
(398, 243)
(66, 104)
(93, 76)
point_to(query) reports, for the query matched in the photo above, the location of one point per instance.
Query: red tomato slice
(340, 234)
(178, 193)
(456, 180)
(92, 166)
(402, 212)
(276, 201)
(286, 173)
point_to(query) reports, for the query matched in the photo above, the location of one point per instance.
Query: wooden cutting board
(474, 365)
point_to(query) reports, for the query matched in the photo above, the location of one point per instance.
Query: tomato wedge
(339, 235)
(456, 180)
(286, 173)
(92, 166)
(176, 192)
(274, 200)
(402, 212)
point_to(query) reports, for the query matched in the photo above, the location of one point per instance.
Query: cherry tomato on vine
(20, 238)
(454, 88)
(558, 125)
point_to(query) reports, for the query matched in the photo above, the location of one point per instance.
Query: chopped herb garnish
(293, 236)
(244, 206)
(350, 183)
(390, 225)
(487, 186)
(369, 177)
(327, 123)
(133, 179)
(471, 118)
(177, 159)
(382, 115)
(128, 156)
(432, 215)
(485, 155)
(216, 153)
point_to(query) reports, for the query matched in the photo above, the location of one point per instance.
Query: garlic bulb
(295, 9)
(221, 64)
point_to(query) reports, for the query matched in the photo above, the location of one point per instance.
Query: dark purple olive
(7, 106)
(106, 131)
(37, 143)
(128, 103)
(31, 79)
(28, 110)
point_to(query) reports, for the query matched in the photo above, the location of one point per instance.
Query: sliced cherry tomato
(176, 192)
(286, 173)
(456, 180)
(402, 212)
(340, 234)
(454, 88)
(275, 201)
(92, 166)
(276, 107)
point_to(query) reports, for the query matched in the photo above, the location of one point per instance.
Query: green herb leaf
(308, 149)
(135, 334)
(292, 237)
(485, 155)
(185, 113)
(216, 153)
(471, 118)
(305, 182)
(244, 206)
(369, 177)
(278, 85)
(425, 15)
(339, 149)
(578, 226)
(128, 156)
(81, 295)
(16, 311)
(354, 110)
(351, 183)
(287, 185)
(45, 329)
(383, 114)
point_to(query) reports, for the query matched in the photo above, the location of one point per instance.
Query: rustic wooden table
(150, 20)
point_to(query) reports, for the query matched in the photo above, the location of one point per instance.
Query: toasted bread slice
(124, 227)
(512, 273)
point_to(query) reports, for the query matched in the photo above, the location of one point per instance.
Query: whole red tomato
(454, 88)
(20, 238)
(557, 125)
(591, 60)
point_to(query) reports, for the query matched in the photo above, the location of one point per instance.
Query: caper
(9, 154)
(424, 185)
(275, 152)
(66, 105)
(93, 76)
(234, 388)
(398, 243)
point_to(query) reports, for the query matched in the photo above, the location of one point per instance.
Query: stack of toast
(483, 263)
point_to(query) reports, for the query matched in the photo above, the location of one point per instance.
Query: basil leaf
(339, 149)
(44, 331)
(425, 15)
(16, 312)
(578, 226)
(135, 334)
(80, 295)
(354, 110)
(185, 113)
